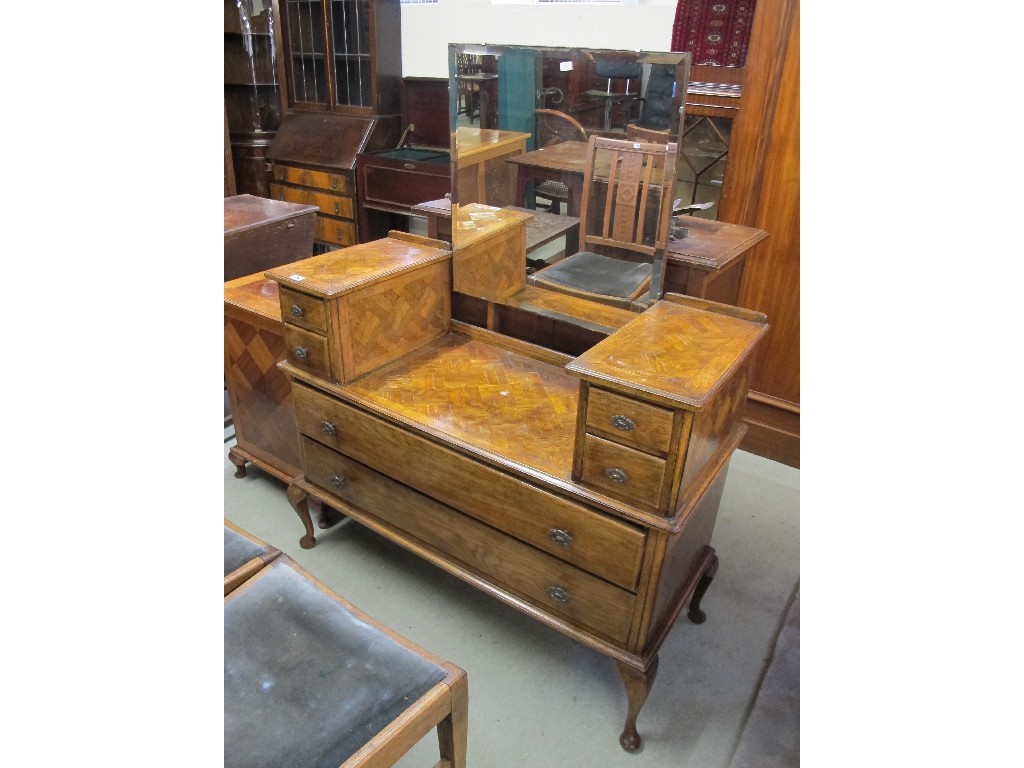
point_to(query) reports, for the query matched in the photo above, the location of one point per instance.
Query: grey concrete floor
(538, 698)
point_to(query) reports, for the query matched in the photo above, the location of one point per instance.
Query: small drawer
(335, 231)
(307, 350)
(302, 309)
(544, 581)
(623, 473)
(333, 182)
(629, 422)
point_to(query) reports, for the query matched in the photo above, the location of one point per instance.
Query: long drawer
(306, 177)
(598, 543)
(545, 581)
(333, 205)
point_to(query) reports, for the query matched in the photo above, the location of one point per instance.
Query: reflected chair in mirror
(554, 127)
(469, 92)
(636, 132)
(614, 71)
(624, 220)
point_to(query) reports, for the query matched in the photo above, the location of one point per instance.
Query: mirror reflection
(568, 154)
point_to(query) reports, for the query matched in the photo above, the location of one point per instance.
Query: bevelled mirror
(522, 118)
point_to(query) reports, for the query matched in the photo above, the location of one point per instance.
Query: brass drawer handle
(301, 352)
(559, 594)
(560, 537)
(334, 181)
(623, 423)
(616, 475)
(338, 481)
(337, 207)
(296, 310)
(327, 428)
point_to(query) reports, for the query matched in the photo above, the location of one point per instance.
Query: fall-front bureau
(583, 491)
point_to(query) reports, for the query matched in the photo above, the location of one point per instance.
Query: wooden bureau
(581, 490)
(313, 161)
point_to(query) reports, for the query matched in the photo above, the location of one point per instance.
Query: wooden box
(489, 259)
(350, 311)
(260, 234)
(259, 393)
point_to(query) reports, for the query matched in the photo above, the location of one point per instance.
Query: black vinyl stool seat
(244, 555)
(239, 550)
(307, 682)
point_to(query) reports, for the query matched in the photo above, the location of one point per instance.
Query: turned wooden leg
(238, 461)
(299, 499)
(638, 684)
(695, 614)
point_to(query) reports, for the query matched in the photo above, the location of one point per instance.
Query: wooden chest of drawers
(581, 491)
(259, 393)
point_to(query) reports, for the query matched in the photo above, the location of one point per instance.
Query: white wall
(428, 29)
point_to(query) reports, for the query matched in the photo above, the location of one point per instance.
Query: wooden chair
(554, 127)
(244, 556)
(309, 679)
(624, 221)
(469, 93)
(636, 132)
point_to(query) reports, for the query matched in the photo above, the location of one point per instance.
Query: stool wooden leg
(452, 732)
(638, 684)
(695, 614)
(299, 499)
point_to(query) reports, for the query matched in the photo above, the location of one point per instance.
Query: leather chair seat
(594, 273)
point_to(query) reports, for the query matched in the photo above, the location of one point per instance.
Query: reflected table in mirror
(710, 261)
(562, 162)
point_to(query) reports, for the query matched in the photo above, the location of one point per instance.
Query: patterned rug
(716, 32)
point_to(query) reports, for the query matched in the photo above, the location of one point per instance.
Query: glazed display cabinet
(343, 55)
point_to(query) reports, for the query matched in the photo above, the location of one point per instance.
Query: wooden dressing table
(580, 490)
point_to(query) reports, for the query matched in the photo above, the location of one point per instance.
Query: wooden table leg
(638, 684)
(298, 497)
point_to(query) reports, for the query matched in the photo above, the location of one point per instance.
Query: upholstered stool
(309, 680)
(244, 555)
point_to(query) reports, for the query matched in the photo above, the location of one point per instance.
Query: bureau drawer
(335, 231)
(332, 205)
(622, 472)
(307, 350)
(598, 543)
(545, 581)
(303, 309)
(332, 182)
(630, 422)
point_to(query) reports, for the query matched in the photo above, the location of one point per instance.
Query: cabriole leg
(695, 614)
(638, 684)
(238, 461)
(299, 499)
